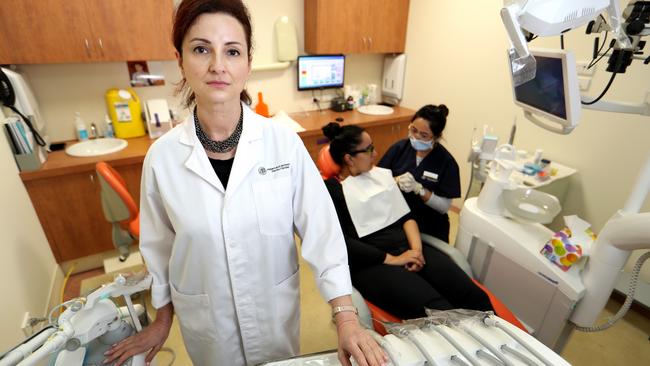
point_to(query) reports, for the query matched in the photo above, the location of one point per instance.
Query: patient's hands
(412, 260)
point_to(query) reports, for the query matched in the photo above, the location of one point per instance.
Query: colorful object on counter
(261, 108)
(562, 250)
(125, 112)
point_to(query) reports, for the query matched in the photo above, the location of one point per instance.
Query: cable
(459, 361)
(562, 41)
(65, 281)
(628, 300)
(591, 64)
(522, 357)
(37, 136)
(49, 316)
(456, 345)
(471, 180)
(487, 345)
(600, 58)
(611, 80)
(315, 100)
(422, 348)
(488, 356)
(490, 321)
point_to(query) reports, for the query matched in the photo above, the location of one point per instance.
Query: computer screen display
(546, 92)
(321, 72)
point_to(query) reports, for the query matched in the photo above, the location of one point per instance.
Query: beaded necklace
(223, 146)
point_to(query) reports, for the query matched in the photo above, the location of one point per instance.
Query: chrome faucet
(93, 131)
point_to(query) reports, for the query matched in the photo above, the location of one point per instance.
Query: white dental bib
(374, 200)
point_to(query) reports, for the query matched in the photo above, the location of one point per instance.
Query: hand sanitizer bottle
(109, 127)
(80, 125)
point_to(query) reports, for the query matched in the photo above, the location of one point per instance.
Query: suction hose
(628, 300)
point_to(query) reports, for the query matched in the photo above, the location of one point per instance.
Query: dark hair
(436, 116)
(187, 13)
(343, 139)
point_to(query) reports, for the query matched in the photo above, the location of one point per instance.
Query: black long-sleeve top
(371, 249)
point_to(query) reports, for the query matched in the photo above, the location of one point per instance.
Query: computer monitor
(321, 71)
(554, 93)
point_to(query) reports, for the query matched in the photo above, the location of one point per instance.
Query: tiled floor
(625, 344)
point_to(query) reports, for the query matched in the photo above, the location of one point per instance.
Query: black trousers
(440, 285)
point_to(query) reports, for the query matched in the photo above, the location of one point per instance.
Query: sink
(96, 147)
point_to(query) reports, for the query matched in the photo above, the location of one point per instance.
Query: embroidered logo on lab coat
(275, 169)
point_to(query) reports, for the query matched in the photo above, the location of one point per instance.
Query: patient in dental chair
(388, 263)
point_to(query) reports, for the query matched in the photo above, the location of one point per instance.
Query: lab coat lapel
(197, 161)
(247, 155)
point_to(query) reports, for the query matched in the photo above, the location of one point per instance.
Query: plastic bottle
(538, 156)
(80, 125)
(109, 127)
(261, 108)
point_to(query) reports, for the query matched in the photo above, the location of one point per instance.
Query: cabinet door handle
(364, 42)
(370, 42)
(87, 46)
(101, 45)
(92, 178)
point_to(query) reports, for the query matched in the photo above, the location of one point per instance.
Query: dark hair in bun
(343, 139)
(436, 116)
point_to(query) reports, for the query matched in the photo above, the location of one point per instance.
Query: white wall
(457, 56)
(27, 266)
(67, 88)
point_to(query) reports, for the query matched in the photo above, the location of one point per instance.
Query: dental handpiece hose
(55, 343)
(489, 321)
(24, 350)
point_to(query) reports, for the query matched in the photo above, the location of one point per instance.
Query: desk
(65, 191)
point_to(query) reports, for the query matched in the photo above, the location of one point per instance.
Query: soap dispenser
(261, 108)
(109, 127)
(80, 125)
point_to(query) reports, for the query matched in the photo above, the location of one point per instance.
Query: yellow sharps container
(125, 112)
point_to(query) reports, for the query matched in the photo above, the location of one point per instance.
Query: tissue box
(563, 250)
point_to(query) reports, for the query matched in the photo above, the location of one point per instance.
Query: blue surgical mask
(420, 145)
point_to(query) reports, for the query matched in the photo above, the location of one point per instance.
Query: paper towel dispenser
(392, 86)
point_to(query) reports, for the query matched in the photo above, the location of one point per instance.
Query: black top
(222, 168)
(437, 172)
(372, 248)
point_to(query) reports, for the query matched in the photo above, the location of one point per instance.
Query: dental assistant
(221, 196)
(425, 171)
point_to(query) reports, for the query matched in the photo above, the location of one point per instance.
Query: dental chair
(119, 208)
(371, 315)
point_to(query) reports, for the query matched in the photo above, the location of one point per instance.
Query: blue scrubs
(438, 172)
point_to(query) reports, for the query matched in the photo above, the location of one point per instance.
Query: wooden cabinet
(382, 138)
(59, 31)
(384, 130)
(357, 26)
(70, 211)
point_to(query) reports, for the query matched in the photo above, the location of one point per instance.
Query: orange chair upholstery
(326, 165)
(119, 208)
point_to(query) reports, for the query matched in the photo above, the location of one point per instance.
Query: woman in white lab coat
(221, 197)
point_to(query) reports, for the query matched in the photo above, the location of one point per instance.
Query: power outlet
(26, 328)
(584, 70)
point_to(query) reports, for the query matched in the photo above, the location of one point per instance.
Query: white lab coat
(227, 259)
